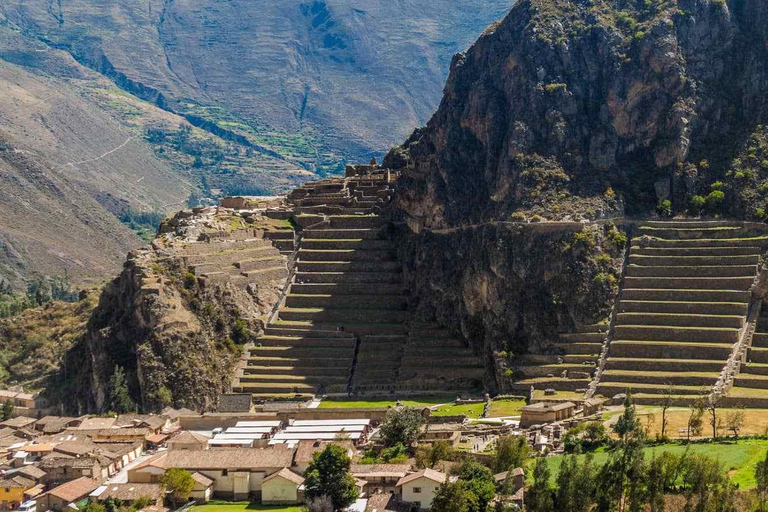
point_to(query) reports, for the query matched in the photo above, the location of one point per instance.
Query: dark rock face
(173, 338)
(509, 289)
(563, 103)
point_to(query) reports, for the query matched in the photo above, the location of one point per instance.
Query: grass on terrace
(241, 506)
(500, 408)
(737, 457)
(343, 403)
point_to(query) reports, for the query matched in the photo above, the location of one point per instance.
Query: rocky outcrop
(175, 330)
(575, 109)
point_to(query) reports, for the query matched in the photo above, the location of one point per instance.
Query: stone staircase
(750, 387)
(683, 308)
(344, 325)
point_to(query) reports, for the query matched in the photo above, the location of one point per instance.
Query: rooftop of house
(32, 472)
(380, 470)
(287, 474)
(97, 423)
(131, 492)
(429, 474)
(222, 459)
(188, 437)
(74, 490)
(18, 422)
(546, 407)
(385, 502)
(17, 482)
(500, 477)
(202, 479)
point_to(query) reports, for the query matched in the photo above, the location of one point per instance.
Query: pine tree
(539, 496)
(119, 396)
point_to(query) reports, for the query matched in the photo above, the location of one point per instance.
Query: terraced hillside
(570, 365)
(239, 261)
(344, 325)
(682, 307)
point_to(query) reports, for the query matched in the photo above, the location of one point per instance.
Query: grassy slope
(33, 345)
(313, 84)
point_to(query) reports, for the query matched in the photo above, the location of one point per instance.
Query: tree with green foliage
(119, 397)
(761, 477)
(430, 456)
(7, 411)
(622, 478)
(402, 425)
(628, 423)
(576, 484)
(666, 403)
(655, 488)
(179, 484)
(511, 453)
(454, 497)
(480, 482)
(539, 497)
(695, 421)
(93, 507)
(328, 475)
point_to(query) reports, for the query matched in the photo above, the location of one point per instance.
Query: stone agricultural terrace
(688, 305)
(344, 324)
(686, 322)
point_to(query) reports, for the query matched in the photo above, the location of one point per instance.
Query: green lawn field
(241, 506)
(330, 403)
(738, 458)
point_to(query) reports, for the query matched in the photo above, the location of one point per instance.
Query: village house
(282, 488)
(128, 493)
(236, 473)
(379, 478)
(74, 492)
(30, 404)
(55, 424)
(543, 412)
(188, 441)
(516, 478)
(203, 489)
(420, 488)
(19, 422)
(96, 424)
(67, 468)
(12, 490)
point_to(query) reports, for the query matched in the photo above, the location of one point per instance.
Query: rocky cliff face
(178, 336)
(564, 106)
(510, 289)
(576, 110)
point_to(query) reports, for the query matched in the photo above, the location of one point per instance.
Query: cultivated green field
(241, 506)
(738, 458)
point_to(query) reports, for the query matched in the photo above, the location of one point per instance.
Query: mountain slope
(312, 80)
(78, 153)
(563, 105)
